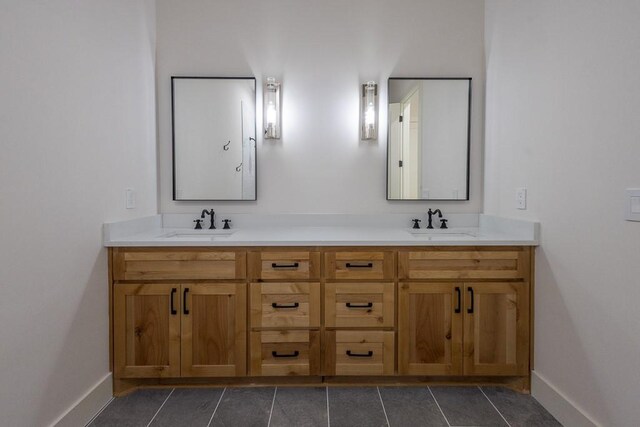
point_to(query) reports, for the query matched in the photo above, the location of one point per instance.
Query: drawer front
(359, 353)
(364, 265)
(359, 305)
(287, 265)
(183, 263)
(277, 305)
(511, 263)
(283, 353)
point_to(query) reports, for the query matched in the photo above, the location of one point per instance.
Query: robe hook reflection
(225, 147)
(239, 167)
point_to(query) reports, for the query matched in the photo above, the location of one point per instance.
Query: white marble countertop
(161, 230)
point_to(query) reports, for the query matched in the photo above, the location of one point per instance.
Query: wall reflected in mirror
(214, 138)
(428, 141)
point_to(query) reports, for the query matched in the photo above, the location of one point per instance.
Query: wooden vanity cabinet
(469, 313)
(450, 314)
(179, 330)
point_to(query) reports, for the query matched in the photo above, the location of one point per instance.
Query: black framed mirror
(429, 134)
(214, 138)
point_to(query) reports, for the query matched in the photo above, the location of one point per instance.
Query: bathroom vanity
(391, 308)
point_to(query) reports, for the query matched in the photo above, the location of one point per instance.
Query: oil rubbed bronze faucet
(430, 213)
(213, 217)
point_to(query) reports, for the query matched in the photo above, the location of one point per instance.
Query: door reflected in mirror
(428, 142)
(214, 138)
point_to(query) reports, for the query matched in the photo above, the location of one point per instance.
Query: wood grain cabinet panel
(285, 305)
(285, 353)
(356, 305)
(359, 353)
(183, 263)
(473, 263)
(361, 265)
(430, 329)
(146, 330)
(214, 330)
(284, 265)
(496, 329)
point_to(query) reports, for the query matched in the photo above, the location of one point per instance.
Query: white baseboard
(85, 408)
(562, 408)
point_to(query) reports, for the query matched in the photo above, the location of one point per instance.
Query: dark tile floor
(322, 406)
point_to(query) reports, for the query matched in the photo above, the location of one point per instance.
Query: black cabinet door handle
(365, 305)
(184, 301)
(276, 265)
(367, 265)
(470, 309)
(459, 294)
(294, 354)
(173, 308)
(276, 305)
(367, 354)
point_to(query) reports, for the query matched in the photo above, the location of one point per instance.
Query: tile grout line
(216, 408)
(494, 406)
(328, 416)
(383, 409)
(272, 403)
(100, 411)
(438, 405)
(160, 408)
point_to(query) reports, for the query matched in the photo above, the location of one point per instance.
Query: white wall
(322, 52)
(562, 120)
(77, 109)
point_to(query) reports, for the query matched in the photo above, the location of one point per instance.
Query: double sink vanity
(324, 299)
(291, 299)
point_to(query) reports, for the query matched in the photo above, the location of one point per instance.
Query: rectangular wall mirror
(214, 138)
(428, 141)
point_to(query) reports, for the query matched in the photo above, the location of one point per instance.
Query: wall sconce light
(369, 113)
(272, 109)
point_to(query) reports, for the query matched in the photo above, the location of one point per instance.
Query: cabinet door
(146, 329)
(430, 329)
(496, 328)
(214, 330)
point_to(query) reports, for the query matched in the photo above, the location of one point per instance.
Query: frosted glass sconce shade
(369, 113)
(272, 109)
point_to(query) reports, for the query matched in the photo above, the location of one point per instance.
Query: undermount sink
(197, 235)
(440, 234)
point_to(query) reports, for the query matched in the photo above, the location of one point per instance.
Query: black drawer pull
(470, 309)
(365, 305)
(367, 354)
(276, 265)
(173, 308)
(185, 310)
(459, 306)
(276, 305)
(294, 354)
(367, 265)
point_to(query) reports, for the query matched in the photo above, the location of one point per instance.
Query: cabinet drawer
(359, 353)
(285, 305)
(288, 265)
(510, 263)
(359, 305)
(281, 353)
(359, 265)
(183, 263)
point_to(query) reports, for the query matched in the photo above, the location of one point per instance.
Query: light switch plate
(130, 198)
(521, 198)
(632, 204)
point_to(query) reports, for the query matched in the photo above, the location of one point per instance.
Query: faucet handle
(198, 224)
(416, 223)
(443, 223)
(226, 224)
